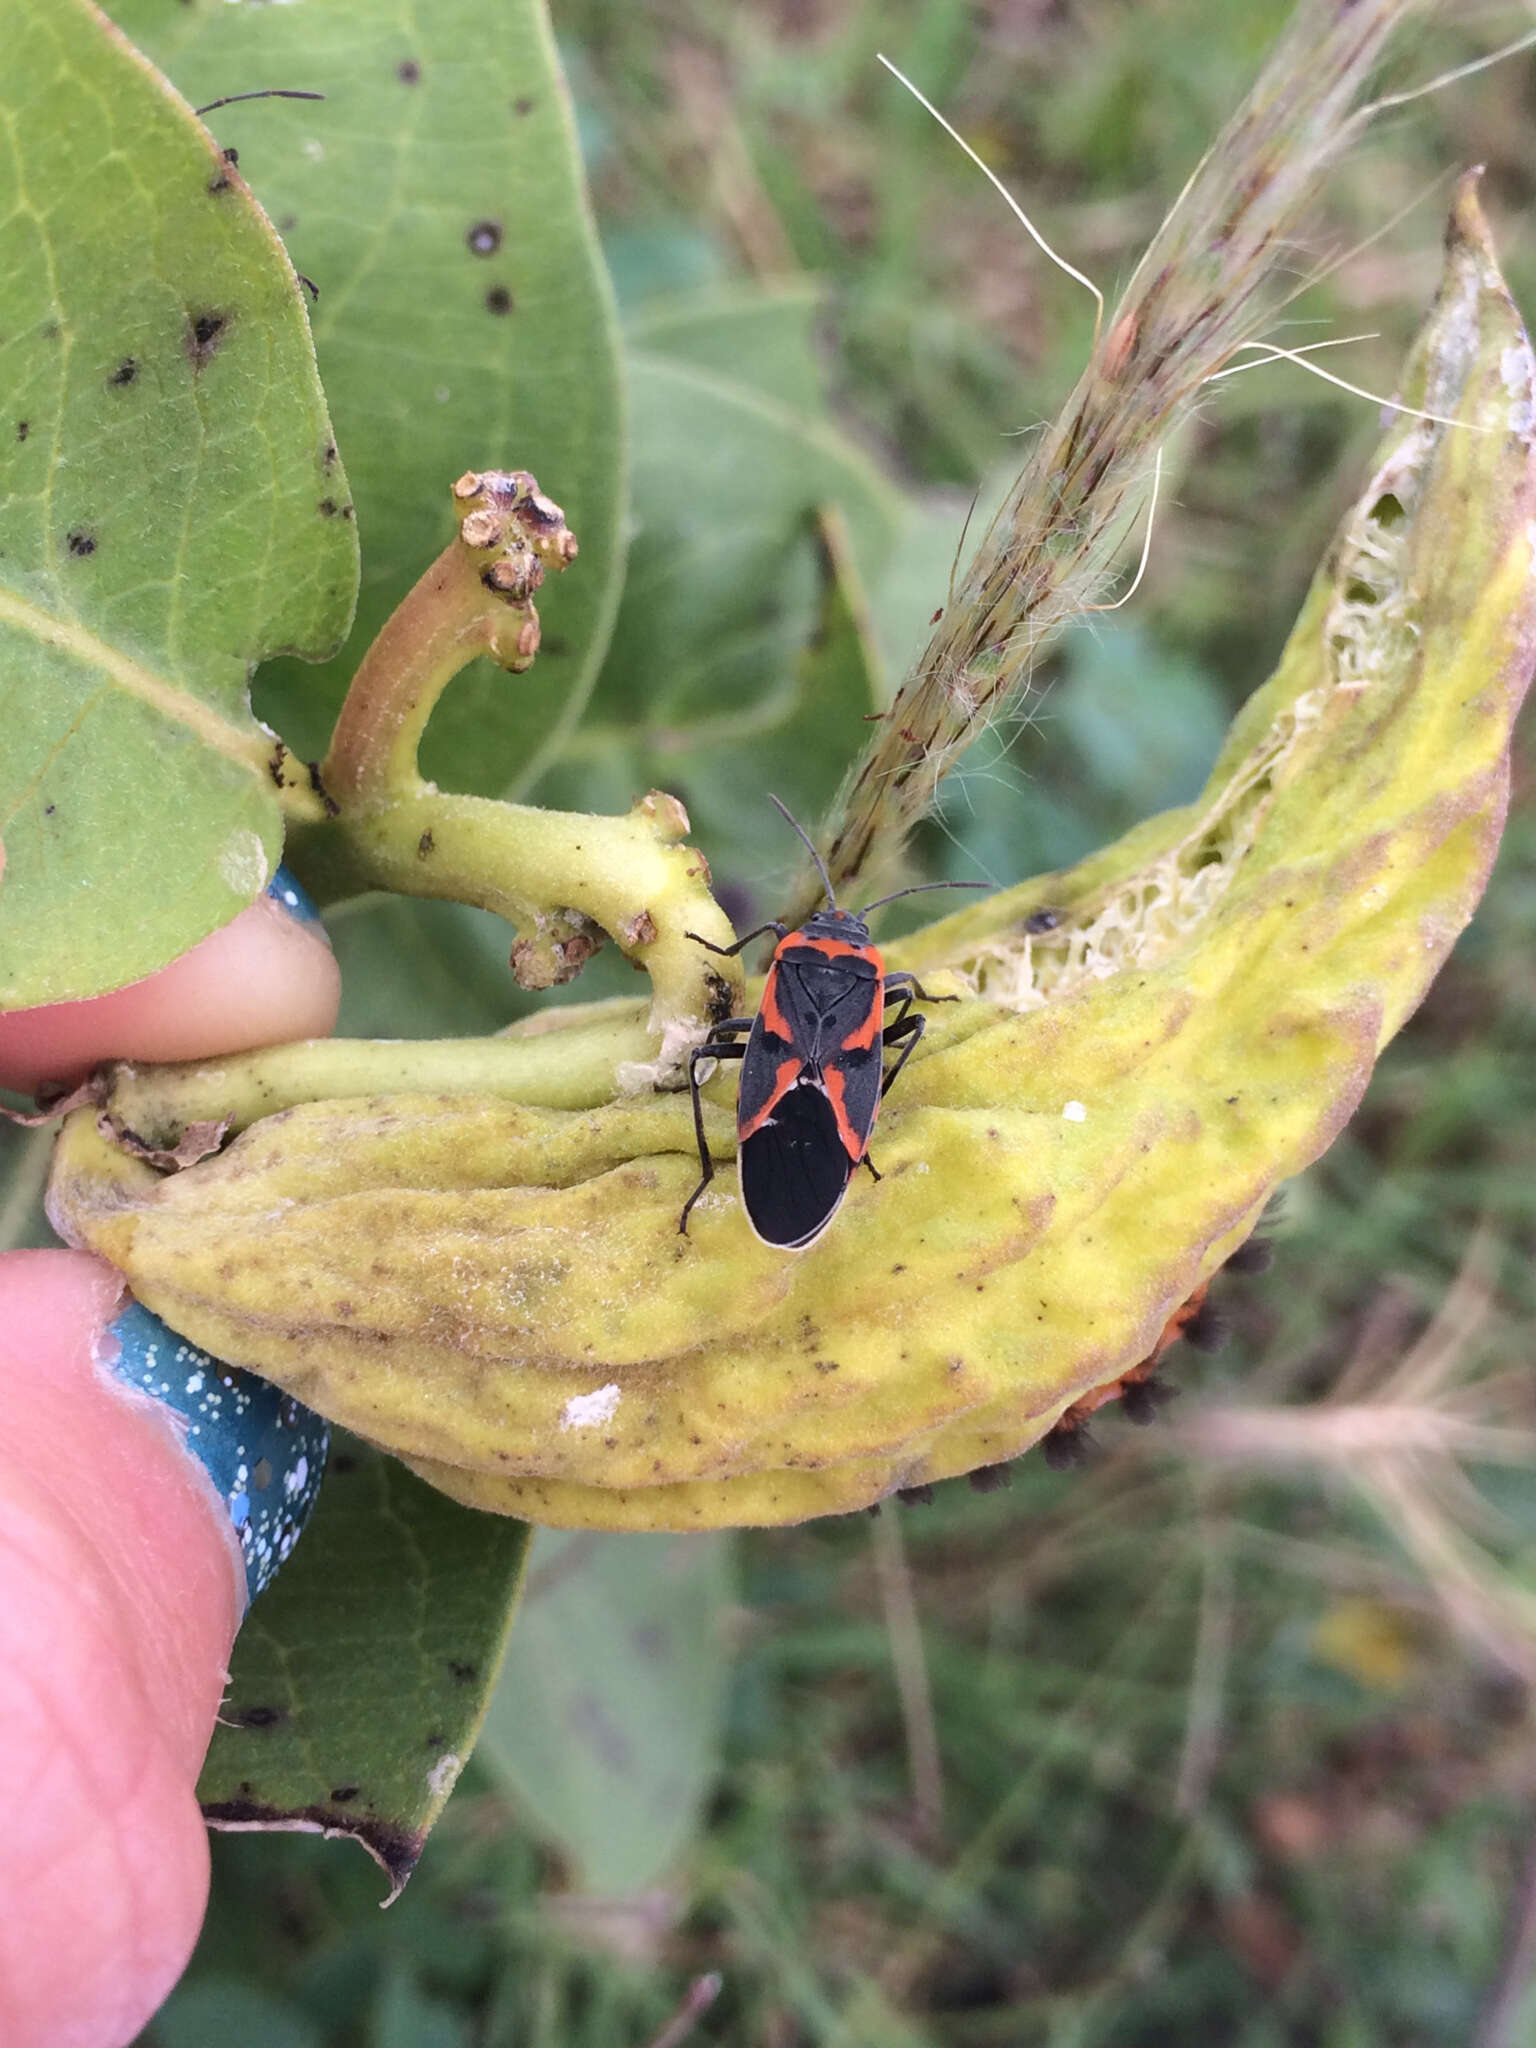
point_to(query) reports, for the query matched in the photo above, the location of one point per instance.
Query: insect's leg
(730, 952)
(714, 1046)
(911, 987)
(911, 1029)
(874, 1170)
(896, 1027)
(711, 1049)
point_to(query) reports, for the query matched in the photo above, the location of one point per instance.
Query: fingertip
(118, 1603)
(267, 977)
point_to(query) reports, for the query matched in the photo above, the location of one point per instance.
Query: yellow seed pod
(496, 1290)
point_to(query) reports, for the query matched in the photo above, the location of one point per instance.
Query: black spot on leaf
(206, 332)
(126, 373)
(23, 428)
(254, 1717)
(408, 72)
(498, 300)
(342, 1794)
(523, 106)
(81, 542)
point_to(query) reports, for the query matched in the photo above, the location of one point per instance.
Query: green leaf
(1147, 723)
(225, 2008)
(725, 476)
(605, 1726)
(711, 674)
(412, 968)
(445, 131)
(405, 2017)
(761, 337)
(359, 1680)
(165, 465)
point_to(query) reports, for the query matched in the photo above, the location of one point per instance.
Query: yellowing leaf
(498, 1292)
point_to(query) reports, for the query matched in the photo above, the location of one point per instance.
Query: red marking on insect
(787, 1075)
(812, 1065)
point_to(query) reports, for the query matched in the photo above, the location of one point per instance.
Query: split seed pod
(497, 1292)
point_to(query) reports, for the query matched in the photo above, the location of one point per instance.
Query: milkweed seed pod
(495, 1289)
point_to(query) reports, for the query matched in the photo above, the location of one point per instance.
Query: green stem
(562, 1068)
(563, 879)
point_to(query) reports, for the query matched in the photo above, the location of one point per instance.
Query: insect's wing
(853, 1085)
(795, 1169)
(771, 1065)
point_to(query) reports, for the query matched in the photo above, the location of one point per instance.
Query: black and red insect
(813, 1067)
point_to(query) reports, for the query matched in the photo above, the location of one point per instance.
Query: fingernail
(263, 1450)
(289, 894)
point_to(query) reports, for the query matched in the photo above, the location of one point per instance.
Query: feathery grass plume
(1402, 1431)
(1196, 298)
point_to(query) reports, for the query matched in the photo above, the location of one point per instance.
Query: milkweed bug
(812, 1072)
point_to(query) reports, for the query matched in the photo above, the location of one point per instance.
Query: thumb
(121, 1586)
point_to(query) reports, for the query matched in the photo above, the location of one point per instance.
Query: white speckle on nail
(1075, 1113)
(590, 1411)
(243, 864)
(444, 1775)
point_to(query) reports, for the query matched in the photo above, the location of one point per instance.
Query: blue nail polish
(263, 1450)
(286, 890)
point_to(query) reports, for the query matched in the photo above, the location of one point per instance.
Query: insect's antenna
(267, 92)
(821, 866)
(917, 889)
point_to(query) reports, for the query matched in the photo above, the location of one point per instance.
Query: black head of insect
(852, 925)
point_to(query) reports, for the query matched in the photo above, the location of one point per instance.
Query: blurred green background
(1184, 1746)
